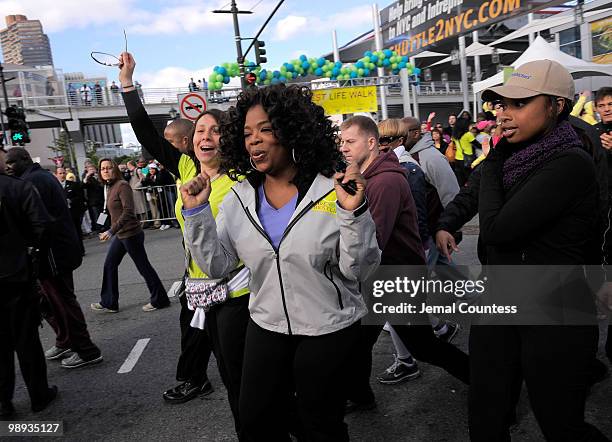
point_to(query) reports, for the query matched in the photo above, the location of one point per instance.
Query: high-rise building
(24, 42)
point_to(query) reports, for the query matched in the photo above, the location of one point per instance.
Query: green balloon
(219, 77)
(328, 74)
(394, 66)
(283, 69)
(360, 72)
(409, 69)
(269, 75)
(366, 60)
(267, 82)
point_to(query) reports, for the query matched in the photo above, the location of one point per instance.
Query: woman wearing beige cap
(538, 197)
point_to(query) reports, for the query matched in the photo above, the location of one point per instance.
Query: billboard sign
(409, 26)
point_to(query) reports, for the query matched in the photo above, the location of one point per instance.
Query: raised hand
(346, 200)
(127, 64)
(196, 192)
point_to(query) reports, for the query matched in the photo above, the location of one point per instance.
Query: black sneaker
(51, 395)
(400, 371)
(187, 391)
(75, 361)
(452, 328)
(56, 353)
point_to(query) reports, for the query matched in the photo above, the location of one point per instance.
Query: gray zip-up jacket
(310, 285)
(436, 168)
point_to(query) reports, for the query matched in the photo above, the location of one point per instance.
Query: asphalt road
(99, 403)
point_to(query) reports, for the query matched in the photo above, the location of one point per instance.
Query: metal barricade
(155, 204)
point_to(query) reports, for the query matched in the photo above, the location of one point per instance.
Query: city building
(24, 42)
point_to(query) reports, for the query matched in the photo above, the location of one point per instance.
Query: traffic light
(17, 125)
(251, 78)
(260, 52)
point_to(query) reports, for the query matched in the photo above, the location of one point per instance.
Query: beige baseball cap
(541, 77)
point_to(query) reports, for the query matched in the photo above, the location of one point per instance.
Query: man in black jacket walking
(57, 263)
(23, 220)
(75, 198)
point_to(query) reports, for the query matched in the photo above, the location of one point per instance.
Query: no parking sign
(191, 105)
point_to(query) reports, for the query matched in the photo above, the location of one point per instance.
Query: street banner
(409, 26)
(346, 100)
(192, 105)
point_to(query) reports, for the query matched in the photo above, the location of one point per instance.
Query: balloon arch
(319, 67)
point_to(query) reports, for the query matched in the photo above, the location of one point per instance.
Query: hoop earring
(252, 165)
(293, 155)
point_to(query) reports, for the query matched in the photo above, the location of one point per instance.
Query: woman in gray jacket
(307, 243)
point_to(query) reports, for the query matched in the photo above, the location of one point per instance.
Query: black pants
(19, 321)
(195, 349)
(276, 366)
(133, 246)
(66, 317)
(422, 343)
(227, 325)
(555, 363)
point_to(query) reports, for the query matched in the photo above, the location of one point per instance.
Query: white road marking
(134, 355)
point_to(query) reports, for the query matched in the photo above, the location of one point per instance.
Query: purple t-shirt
(274, 221)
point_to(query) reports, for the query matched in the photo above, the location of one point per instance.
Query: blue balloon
(366, 72)
(276, 74)
(223, 71)
(263, 75)
(388, 53)
(290, 67)
(360, 65)
(395, 71)
(306, 65)
(374, 58)
(386, 62)
(216, 69)
(283, 80)
(338, 64)
(353, 74)
(405, 59)
(303, 58)
(335, 72)
(318, 72)
(321, 62)
(401, 65)
(275, 80)
(367, 54)
(226, 80)
(416, 71)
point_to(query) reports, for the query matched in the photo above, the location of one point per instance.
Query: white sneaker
(164, 227)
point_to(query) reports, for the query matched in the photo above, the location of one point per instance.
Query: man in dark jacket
(57, 263)
(23, 221)
(394, 214)
(76, 201)
(94, 193)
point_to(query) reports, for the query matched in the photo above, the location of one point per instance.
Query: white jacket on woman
(310, 285)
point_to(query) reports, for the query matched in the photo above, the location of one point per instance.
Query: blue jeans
(133, 246)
